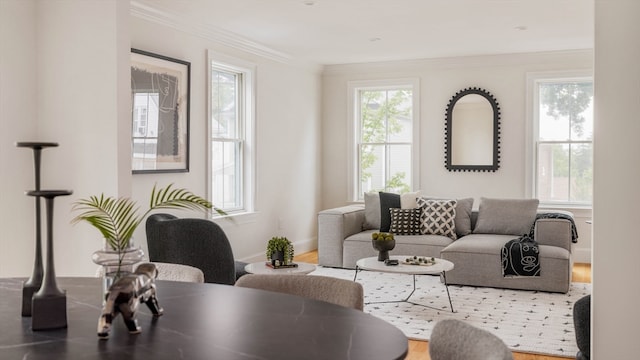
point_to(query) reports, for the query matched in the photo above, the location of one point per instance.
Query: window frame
(353, 87)
(246, 129)
(533, 134)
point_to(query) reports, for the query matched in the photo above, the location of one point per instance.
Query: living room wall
(49, 51)
(287, 140)
(502, 75)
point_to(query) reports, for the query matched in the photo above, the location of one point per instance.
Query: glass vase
(116, 264)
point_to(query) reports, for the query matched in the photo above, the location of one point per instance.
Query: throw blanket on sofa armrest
(520, 257)
(574, 231)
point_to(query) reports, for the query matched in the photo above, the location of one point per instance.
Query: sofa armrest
(554, 232)
(334, 225)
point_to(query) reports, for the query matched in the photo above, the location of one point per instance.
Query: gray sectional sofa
(344, 236)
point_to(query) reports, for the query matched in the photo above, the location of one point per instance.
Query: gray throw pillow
(506, 216)
(371, 211)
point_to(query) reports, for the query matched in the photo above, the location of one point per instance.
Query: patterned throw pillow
(405, 221)
(438, 217)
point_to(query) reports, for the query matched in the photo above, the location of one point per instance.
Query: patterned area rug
(527, 321)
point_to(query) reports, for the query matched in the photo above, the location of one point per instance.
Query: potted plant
(281, 249)
(117, 220)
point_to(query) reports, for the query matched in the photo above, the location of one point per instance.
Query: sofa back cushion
(506, 216)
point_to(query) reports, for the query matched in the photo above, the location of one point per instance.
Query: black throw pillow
(387, 201)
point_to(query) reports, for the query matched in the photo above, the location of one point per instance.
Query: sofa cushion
(371, 211)
(387, 201)
(506, 216)
(408, 200)
(405, 221)
(438, 217)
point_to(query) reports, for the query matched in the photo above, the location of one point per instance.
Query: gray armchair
(337, 291)
(582, 325)
(195, 242)
(455, 339)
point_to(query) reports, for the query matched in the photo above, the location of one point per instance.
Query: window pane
(399, 177)
(566, 111)
(373, 127)
(553, 172)
(371, 168)
(226, 174)
(224, 104)
(581, 173)
(399, 117)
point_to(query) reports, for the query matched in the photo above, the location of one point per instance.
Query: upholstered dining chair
(337, 291)
(195, 242)
(172, 272)
(455, 339)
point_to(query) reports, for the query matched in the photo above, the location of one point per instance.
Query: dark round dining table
(200, 321)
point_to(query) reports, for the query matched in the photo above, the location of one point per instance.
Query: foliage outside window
(384, 122)
(230, 137)
(564, 144)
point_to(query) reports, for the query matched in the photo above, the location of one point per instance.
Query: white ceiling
(352, 31)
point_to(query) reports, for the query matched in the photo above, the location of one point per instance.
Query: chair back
(172, 272)
(199, 243)
(455, 339)
(337, 291)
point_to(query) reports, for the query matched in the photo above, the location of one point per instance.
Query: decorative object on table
(35, 281)
(419, 260)
(276, 264)
(49, 304)
(117, 219)
(279, 251)
(124, 297)
(160, 113)
(383, 242)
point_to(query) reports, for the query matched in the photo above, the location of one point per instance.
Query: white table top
(261, 268)
(372, 264)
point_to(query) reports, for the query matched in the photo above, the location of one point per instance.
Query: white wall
(66, 78)
(287, 141)
(615, 311)
(74, 60)
(502, 75)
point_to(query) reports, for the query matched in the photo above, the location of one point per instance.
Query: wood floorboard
(419, 350)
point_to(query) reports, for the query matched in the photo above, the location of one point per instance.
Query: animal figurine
(125, 295)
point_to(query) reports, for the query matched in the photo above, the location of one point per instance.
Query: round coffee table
(260, 267)
(440, 267)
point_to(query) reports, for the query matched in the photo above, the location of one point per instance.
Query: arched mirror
(473, 131)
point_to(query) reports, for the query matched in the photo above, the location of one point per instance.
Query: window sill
(236, 219)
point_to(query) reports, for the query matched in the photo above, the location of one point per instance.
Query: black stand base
(49, 312)
(27, 293)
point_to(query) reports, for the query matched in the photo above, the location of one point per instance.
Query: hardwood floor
(419, 350)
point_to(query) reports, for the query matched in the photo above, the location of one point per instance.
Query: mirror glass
(472, 131)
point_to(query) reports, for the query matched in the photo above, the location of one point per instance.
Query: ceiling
(353, 31)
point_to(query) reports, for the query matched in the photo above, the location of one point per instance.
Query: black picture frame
(160, 109)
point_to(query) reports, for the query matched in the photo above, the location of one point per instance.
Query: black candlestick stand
(35, 281)
(49, 304)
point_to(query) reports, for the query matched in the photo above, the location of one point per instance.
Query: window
(563, 139)
(230, 135)
(384, 152)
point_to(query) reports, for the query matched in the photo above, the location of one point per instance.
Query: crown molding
(215, 34)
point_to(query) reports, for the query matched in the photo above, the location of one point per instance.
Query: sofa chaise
(344, 236)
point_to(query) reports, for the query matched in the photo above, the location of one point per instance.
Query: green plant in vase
(118, 218)
(280, 245)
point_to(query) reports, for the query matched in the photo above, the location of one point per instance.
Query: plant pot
(277, 255)
(116, 264)
(383, 247)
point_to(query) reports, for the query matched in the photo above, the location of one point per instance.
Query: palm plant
(117, 219)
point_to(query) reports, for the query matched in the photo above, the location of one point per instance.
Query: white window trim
(352, 126)
(531, 133)
(248, 70)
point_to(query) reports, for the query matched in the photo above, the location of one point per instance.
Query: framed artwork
(159, 113)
